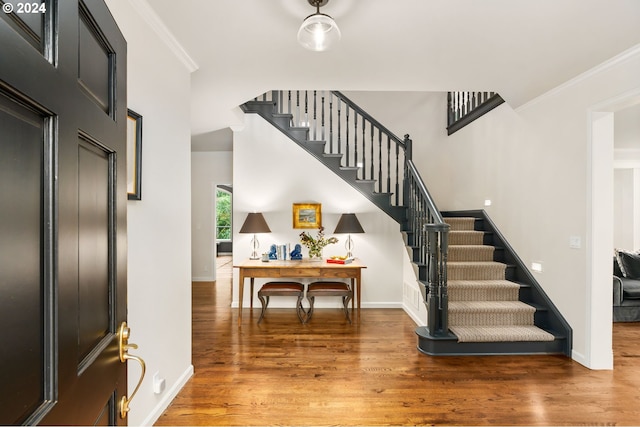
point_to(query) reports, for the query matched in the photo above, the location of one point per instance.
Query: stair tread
(500, 333)
(489, 306)
(474, 263)
(483, 283)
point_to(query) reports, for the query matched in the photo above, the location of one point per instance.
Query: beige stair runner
(483, 306)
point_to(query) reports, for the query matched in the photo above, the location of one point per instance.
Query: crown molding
(151, 17)
(610, 63)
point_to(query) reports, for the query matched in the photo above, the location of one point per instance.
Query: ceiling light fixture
(319, 31)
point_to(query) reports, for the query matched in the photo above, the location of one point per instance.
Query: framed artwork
(307, 215)
(134, 155)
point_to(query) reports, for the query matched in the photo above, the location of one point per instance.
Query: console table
(293, 269)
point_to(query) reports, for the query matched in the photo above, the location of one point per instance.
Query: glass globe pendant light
(319, 31)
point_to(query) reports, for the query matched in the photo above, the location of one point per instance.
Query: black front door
(62, 212)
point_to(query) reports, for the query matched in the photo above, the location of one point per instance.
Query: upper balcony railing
(465, 107)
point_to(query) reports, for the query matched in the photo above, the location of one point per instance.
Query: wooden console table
(293, 269)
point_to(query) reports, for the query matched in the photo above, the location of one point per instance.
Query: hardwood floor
(328, 372)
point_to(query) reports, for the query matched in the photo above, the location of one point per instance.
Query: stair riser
(299, 133)
(315, 147)
(458, 294)
(332, 162)
(463, 253)
(458, 224)
(474, 273)
(466, 238)
(489, 319)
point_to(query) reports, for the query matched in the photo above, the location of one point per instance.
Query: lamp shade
(255, 223)
(348, 223)
(318, 32)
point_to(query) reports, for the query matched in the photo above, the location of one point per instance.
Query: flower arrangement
(316, 245)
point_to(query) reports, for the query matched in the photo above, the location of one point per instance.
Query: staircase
(343, 137)
(480, 297)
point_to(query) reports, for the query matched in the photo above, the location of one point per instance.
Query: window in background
(223, 215)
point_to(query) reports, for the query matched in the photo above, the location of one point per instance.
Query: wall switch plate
(575, 242)
(487, 202)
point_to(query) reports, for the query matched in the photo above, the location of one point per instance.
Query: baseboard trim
(413, 315)
(168, 398)
(203, 279)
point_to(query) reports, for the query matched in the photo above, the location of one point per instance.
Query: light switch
(575, 242)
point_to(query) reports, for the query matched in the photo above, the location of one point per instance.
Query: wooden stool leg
(265, 303)
(300, 309)
(310, 312)
(345, 303)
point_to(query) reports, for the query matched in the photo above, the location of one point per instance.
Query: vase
(315, 254)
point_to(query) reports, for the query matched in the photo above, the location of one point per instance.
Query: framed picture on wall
(134, 155)
(307, 215)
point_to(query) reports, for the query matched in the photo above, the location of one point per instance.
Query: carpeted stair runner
(483, 306)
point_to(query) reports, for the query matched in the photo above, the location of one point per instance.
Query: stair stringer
(300, 135)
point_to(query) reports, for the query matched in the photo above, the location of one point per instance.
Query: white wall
(271, 173)
(623, 201)
(159, 226)
(208, 169)
(535, 165)
(627, 178)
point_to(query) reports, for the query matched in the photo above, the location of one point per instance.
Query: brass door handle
(124, 346)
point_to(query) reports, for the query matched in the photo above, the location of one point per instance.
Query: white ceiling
(519, 48)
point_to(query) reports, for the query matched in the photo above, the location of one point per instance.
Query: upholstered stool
(281, 289)
(329, 289)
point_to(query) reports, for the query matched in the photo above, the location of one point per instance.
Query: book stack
(338, 260)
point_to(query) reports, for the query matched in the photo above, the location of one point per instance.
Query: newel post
(437, 299)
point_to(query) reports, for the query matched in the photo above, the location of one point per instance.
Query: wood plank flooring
(328, 372)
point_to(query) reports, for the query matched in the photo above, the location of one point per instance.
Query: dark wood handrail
(367, 116)
(465, 107)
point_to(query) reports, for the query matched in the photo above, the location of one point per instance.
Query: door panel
(31, 26)
(94, 184)
(21, 261)
(95, 68)
(62, 215)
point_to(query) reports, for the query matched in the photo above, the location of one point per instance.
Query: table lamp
(348, 223)
(255, 223)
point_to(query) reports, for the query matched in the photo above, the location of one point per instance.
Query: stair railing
(465, 107)
(364, 143)
(431, 237)
(380, 156)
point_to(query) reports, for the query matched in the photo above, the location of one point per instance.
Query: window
(223, 215)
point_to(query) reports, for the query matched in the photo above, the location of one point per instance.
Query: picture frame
(307, 215)
(134, 155)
